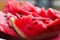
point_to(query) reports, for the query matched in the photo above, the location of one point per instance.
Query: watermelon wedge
(29, 22)
(25, 28)
(4, 27)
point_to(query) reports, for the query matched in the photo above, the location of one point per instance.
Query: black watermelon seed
(5, 15)
(33, 19)
(51, 27)
(35, 23)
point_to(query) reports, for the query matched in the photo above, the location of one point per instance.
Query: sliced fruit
(54, 25)
(4, 27)
(27, 28)
(18, 31)
(43, 12)
(25, 5)
(51, 14)
(12, 6)
(28, 21)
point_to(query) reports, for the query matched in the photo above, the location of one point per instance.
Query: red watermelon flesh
(51, 14)
(25, 5)
(57, 13)
(29, 21)
(54, 25)
(27, 26)
(43, 12)
(12, 6)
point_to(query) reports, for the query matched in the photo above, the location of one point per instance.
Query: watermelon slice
(26, 28)
(4, 27)
(12, 6)
(51, 14)
(28, 21)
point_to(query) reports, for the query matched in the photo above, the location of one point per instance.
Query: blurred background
(40, 3)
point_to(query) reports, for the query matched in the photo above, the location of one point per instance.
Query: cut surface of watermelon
(4, 27)
(29, 21)
(27, 28)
